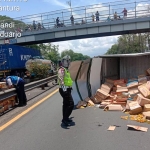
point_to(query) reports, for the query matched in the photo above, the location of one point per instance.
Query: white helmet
(66, 61)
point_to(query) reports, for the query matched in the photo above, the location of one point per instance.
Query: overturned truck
(90, 74)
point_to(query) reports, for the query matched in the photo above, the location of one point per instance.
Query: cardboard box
(106, 87)
(117, 82)
(141, 76)
(102, 94)
(148, 71)
(146, 114)
(127, 104)
(81, 103)
(148, 78)
(133, 90)
(132, 80)
(144, 90)
(146, 107)
(142, 100)
(104, 104)
(3, 85)
(121, 99)
(144, 129)
(114, 107)
(132, 84)
(97, 99)
(148, 85)
(135, 108)
(142, 79)
(121, 88)
(114, 89)
(88, 100)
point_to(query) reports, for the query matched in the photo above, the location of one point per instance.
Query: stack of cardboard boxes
(132, 95)
(7, 103)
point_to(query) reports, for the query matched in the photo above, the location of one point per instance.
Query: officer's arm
(61, 74)
(9, 83)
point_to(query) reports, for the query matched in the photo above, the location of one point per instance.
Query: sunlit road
(40, 129)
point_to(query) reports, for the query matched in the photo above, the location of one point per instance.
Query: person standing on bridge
(57, 22)
(97, 16)
(72, 20)
(65, 87)
(124, 13)
(18, 83)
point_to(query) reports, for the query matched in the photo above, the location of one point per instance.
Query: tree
(34, 46)
(18, 23)
(74, 56)
(131, 43)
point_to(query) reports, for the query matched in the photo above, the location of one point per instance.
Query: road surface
(41, 129)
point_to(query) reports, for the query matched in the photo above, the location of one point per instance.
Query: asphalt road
(41, 129)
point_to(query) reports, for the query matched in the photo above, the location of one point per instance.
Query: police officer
(65, 87)
(18, 83)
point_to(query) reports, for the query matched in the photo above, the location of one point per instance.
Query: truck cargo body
(13, 59)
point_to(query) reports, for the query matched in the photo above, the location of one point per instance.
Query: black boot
(65, 122)
(69, 120)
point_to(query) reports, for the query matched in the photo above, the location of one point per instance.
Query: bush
(40, 70)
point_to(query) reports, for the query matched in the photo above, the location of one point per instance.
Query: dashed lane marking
(26, 111)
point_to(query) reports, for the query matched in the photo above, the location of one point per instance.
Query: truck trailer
(13, 59)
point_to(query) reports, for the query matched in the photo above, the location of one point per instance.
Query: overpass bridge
(84, 25)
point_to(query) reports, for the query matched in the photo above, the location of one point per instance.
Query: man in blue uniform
(18, 83)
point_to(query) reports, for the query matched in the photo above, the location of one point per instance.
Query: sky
(91, 46)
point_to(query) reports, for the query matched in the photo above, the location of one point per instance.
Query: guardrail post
(43, 87)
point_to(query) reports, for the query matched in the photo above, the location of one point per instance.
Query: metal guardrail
(135, 9)
(12, 92)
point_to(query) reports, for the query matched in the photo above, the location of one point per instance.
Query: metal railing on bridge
(82, 15)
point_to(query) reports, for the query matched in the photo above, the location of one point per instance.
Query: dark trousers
(68, 103)
(21, 93)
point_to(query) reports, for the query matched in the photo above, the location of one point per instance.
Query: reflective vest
(14, 79)
(67, 79)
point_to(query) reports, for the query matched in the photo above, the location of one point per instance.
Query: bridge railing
(82, 15)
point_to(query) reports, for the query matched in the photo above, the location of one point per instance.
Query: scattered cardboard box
(96, 99)
(111, 128)
(148, 71)
(117, 82)
(144, 90)
(144, 129)
(142, 100)
(88, 100)
(114, 107)
(102, 94)
(135, 108)
(146, 107)
(132, 84)
(133, 90)
(146, 114)
(142, 79)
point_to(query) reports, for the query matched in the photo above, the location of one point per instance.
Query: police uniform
(65, 87)
(18, 83)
